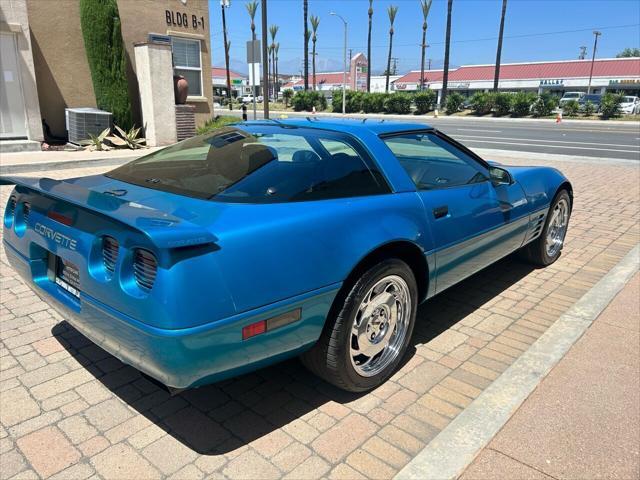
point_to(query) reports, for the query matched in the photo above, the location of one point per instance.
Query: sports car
(266, 240)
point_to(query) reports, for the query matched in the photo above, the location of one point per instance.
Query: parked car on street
(266, 240)
(248, 98)
(630, 105)
(568, 96)
(595, 100)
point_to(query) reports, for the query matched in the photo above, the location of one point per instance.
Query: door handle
(440, 212)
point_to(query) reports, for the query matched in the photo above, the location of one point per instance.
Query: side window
(431, 162)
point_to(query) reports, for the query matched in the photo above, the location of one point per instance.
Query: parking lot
(69, 409)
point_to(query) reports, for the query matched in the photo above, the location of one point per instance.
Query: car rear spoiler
(165, 231)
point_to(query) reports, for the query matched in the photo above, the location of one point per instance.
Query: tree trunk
(313, 65)
(445, 74)
(226, 57)
(424, 47)
(496, 79)
(386, 88)
(306, 46)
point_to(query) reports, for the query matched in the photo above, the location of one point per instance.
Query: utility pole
(226, 4)
(496, 77)
(429, 64)
(265, 62)
(344, 72)
(593, 58)
(350, 54)
(583, 53)
(394, 69)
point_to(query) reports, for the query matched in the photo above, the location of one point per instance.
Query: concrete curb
(488, 153)
(631, 123)
(454, 448)
(64, 164)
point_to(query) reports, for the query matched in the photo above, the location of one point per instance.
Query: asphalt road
(543, 136)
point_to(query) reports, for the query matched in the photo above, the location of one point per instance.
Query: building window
(186, 62)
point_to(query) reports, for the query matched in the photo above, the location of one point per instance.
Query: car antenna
(364, 120)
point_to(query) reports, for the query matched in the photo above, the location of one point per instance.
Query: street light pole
(226, 4)
(593, 58)
(344, 72)
(265, 63)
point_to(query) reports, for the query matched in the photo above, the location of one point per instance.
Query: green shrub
(570, 108)
(502, 103)
(544, 105)
(353, 101)
(424, 101)
(286, 96)
(100, 23)
(521, 103)
(588, 108)
(216, 123)
(305, 101)
(454, 102)
(373, 102)
(610, 105)
(398, 103)
(481, 103)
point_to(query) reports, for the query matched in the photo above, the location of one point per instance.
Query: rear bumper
(192, 356)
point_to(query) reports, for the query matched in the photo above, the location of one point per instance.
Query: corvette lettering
(59, 238)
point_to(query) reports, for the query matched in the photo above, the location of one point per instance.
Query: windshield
(259, 164)
(571, 95)
(628, 99)
(591, 98)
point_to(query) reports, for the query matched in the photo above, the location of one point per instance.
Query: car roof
(347, 125)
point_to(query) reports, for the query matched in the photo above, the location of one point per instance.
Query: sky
(535, 30)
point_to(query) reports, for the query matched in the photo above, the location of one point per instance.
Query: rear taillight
(145, 268)
(26, 211)
(109, 253)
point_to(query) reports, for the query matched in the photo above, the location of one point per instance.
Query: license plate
(67, 276)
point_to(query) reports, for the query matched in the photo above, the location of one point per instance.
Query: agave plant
(96, 142)
(128, 139)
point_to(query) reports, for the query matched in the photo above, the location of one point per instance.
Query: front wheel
(367, 334)
(547, 247)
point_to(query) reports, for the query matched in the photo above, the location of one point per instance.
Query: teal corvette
(271, 239)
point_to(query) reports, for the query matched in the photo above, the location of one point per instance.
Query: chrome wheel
(557, 228)
(380, 326)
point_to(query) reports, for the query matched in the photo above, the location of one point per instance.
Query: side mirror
(499, 176)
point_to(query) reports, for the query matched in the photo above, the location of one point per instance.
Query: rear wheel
(547, 247)
(367, 335)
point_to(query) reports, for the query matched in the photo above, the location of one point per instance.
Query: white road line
(569, 147)
(477, 130)
(550, 141)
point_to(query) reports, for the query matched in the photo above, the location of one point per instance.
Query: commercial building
(239, 83)
(609, 74)
(43, 47)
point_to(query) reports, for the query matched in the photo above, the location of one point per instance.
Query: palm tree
(273, 30)
(391, 11)
(496, 79)
(306, 45)
(369, 47)
(426, 6)
(447, 44)
(277, 84)
(315, 21)
(252, 8)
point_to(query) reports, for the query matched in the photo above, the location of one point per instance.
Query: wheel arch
(404, 250)
(566, 185)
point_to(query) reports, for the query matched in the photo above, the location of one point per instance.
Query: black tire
(330, 358)
(536, 252)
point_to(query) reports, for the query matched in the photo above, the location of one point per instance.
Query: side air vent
(109, 253)
(26, 211)
(11, 206)
(145, 268)
(536, 226)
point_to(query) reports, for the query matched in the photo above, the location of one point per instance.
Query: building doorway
(13, 121)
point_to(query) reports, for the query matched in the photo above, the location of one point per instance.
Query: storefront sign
(628, 81)
(551, 83)
(182, 19)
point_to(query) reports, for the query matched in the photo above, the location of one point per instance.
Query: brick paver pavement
(70, 410)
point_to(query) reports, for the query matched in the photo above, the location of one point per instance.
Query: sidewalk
(583, 420)
(20, 162)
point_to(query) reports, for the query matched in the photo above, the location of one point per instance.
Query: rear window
(259, 164)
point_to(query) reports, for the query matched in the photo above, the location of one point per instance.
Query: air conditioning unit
(84, 121)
